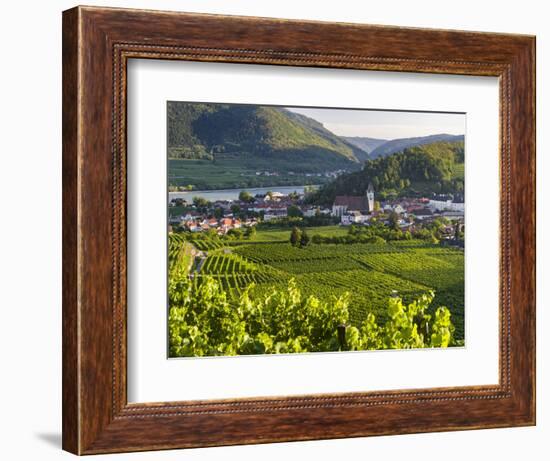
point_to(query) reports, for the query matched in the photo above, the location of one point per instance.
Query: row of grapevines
(439, 269)
(226, 264)
(204, 322)
(267, 253)
(304, 266)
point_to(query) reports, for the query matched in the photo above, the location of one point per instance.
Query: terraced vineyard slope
(370, 273)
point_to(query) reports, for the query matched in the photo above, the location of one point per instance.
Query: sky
(385, 124)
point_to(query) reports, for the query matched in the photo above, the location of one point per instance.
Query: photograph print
(306, 229)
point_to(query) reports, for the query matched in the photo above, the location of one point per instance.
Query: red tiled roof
(352, 202)
(423, 212)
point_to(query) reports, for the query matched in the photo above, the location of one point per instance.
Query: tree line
(417, 170)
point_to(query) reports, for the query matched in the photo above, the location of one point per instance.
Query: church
(344, 204)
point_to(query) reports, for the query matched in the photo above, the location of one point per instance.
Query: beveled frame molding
(97, 43)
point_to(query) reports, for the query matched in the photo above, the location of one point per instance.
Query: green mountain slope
(397, 145)
(420, 170)
(366, 144)
(283, 140)
(338, 142)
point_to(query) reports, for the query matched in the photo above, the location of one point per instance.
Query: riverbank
(233, 194)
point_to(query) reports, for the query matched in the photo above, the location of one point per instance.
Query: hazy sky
(385, 124)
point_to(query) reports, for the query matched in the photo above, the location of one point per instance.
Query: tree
(423, 234)
(250, 232)
(294, 212)
(201, 202)
(245, 196)
(309, 190)
(236, 233)
(295, 236)
(235, 209)
(218, 213)
(304, 239)
(394, 220)
(457, 231)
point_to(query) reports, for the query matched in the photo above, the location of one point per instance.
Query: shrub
(204, 322)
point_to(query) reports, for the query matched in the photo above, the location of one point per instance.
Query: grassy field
(283, 235)
(228, 174)
(370, 273)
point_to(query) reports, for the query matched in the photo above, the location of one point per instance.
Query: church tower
(370, 197)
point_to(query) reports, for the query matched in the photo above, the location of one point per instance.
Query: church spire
(370, 197)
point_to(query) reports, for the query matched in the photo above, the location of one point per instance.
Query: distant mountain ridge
(364, 143)
(214, 145)
(287, 140)
(397, 145)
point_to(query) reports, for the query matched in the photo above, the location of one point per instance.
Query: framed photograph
(280, 230)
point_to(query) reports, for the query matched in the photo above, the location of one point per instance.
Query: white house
(446, 205)
(353, 217)
(399, 209)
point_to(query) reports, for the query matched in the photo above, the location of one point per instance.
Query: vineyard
(227, 264)
(180, 253)
(369, 290)
(370, 273)
(280, 252)
(441, 269)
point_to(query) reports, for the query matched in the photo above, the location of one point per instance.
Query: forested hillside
(397, 145)
(431, 168)
(288, 141)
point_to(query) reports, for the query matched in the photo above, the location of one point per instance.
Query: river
(233, 194)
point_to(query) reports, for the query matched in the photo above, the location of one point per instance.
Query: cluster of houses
(197, 222)
(325, 174)
(360, 209)
(346, 209)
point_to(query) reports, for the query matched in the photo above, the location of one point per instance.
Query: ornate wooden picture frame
(97, 44)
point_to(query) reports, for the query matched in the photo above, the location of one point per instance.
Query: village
(288, 221)
(226, 216)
